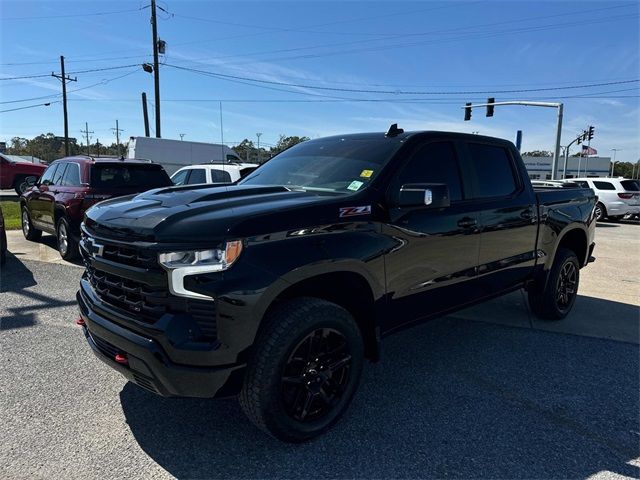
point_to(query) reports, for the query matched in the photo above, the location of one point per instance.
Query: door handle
(467, 222)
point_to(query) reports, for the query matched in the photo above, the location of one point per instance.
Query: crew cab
(56, 203)
(277, 288)
(16, 174)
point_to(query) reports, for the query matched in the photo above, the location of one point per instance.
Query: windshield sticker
(355, 185)
(366, 173)
(354, 211)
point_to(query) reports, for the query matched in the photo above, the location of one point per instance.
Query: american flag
(589, 150)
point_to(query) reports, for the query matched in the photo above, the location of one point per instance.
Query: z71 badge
(355, 211)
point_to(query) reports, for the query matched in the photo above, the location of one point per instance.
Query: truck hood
(203, 214)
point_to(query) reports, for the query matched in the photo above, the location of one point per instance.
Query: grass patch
(11, 212)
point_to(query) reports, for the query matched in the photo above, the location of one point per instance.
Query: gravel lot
(452, 398)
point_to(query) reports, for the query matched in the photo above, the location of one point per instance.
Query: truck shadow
(15, 277)
(451, 398)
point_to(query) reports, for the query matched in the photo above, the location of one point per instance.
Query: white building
(539, 168)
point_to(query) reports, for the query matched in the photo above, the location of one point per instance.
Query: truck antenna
(394, 131)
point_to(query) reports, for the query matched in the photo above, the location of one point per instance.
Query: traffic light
(467, 112)
(590, 132)
(490, 107)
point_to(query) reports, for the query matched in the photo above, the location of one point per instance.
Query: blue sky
(388, 48)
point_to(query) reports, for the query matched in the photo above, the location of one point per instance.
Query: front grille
(146, 302)
(130, 256)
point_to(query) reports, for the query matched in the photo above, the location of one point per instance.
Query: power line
(73, 73)
(74, 15)
(55, 95)
(29, 106)
(396, 92)
(433, 32)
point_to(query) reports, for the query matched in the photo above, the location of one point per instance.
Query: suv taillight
(626, 196)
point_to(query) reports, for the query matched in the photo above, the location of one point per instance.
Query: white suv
(617, 197)
(212, 173)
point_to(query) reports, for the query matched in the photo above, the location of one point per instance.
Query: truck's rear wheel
(305, 369)
(556, 299)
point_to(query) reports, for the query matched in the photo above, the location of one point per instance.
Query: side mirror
(427, 195)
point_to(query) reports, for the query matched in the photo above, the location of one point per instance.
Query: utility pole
(613, 165)
(156, 67)
(86, 133)
(117, 130)
(182, 136)
(145, 114)
(64, 79)
(259, 156)
(559, 106)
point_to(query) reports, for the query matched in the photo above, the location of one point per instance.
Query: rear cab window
(220, 176)
(128, 175)
(495, 172)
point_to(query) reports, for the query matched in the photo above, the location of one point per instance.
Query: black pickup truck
(278, 287)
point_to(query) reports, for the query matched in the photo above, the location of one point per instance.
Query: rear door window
(71, 176)
(604, 185)
(494, 171)
(198, 175)
(138, 176)
(220, 176)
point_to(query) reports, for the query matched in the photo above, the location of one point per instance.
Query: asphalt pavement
(455, 398)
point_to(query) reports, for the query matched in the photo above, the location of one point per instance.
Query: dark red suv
(57, 202)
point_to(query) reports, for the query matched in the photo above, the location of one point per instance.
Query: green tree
(285, 142)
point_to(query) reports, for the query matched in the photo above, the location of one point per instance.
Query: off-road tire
(543, 299)
(261, 397)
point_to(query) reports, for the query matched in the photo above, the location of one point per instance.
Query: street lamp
(259, 135)
(613, 164)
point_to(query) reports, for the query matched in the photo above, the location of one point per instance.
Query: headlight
(193, 262)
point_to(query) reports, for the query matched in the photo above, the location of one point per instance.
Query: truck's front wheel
(305, 369)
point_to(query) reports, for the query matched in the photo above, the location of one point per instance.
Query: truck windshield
(124, 175)
(335, 164)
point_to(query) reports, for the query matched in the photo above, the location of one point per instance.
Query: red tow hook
(80, 321)
(121, 358)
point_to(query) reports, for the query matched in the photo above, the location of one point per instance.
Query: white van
(175, 154)
(617, 197)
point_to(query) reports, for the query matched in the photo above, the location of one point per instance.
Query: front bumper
(147, 364)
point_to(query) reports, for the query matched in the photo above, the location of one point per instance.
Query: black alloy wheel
(316, 375)
(567, 287)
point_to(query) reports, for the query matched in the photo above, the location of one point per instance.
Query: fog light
(121, 358)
